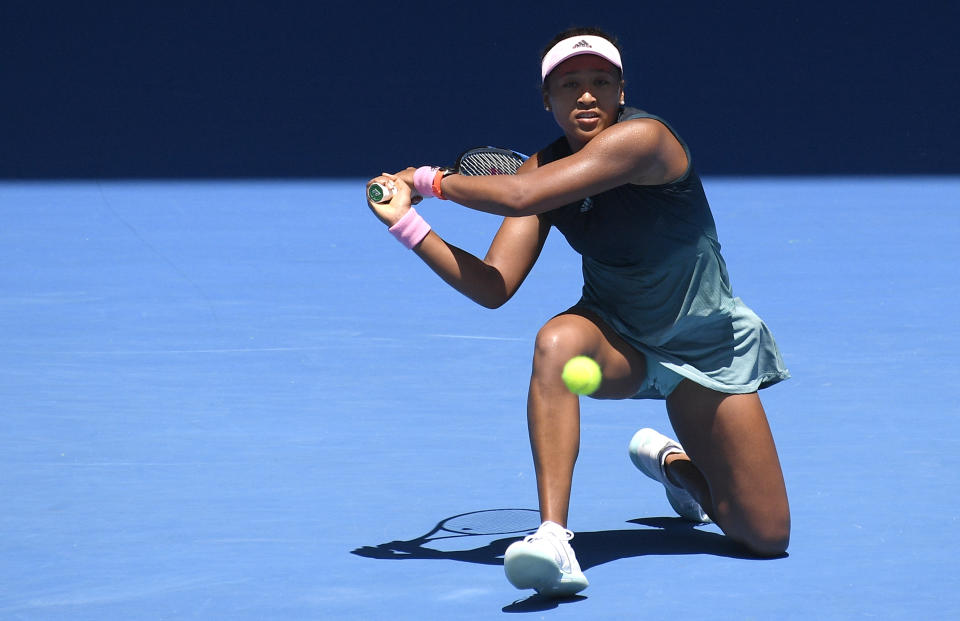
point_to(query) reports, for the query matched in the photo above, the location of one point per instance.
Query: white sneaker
(648, 451)
(545, 561)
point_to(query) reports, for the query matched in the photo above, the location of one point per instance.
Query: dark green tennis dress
(652, 270)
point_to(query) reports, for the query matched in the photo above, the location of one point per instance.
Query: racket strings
(489, 163)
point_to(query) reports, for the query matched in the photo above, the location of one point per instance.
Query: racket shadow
(491, 553)
(662, 536)
(479, 537)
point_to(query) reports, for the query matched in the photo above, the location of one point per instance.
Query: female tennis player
(657, 310)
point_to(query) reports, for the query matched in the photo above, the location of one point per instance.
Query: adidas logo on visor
(580, 44)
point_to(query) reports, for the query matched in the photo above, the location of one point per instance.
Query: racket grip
(379, 193)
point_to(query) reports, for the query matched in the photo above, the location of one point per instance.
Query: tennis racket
(474, 162)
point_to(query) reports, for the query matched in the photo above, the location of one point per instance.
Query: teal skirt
(682, 316)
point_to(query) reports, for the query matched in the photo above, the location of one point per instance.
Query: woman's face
(585, 94)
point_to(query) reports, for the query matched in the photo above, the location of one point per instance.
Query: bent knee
(771, 546)
(762, 527)
(770, 539)
(560, 338)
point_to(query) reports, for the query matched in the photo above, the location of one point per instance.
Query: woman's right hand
(398, 205)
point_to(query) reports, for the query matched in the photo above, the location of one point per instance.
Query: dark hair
(579, 30)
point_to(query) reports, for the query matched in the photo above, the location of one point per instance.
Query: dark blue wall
(284, 89)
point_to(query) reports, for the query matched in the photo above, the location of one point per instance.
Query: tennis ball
(582, 375)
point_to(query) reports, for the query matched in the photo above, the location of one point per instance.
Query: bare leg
(553, 413)
(731, 465)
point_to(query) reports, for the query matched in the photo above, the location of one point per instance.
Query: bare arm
(640, 151)
(493, 280)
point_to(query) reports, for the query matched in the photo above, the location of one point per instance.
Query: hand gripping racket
(475, 162)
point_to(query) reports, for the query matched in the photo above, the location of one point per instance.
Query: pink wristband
(423, 180)
(410, 229)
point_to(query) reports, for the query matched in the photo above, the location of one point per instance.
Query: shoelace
(567, 536)
(560, 550)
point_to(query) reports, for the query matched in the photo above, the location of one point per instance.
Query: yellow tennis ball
(582, 375)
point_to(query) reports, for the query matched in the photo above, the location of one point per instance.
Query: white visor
(575, 46)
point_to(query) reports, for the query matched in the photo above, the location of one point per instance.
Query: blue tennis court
(244, 400)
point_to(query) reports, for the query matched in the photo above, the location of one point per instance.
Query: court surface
(244, 400)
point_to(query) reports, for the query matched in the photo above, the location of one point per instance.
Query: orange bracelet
(435, 186)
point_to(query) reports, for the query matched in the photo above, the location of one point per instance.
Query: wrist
(423, 180)
(411, 229)
(426, 181)
(437, 178)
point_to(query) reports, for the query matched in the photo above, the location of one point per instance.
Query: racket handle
(379, 193)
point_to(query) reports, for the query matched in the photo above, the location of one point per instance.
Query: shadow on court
(539, 603)
(663, 536)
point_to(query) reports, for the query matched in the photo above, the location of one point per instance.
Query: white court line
(130, 464)
(250, 350)
(151, 352)
(475, 337)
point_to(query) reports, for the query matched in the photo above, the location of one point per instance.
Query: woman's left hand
(390, 212)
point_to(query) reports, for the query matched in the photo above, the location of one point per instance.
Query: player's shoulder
(634, 138)
(641, 134)
(634, 119)
(651, 143)
(640, 127)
